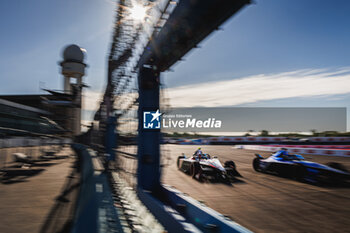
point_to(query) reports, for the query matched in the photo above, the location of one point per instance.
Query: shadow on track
(61, 215)
(12, 176)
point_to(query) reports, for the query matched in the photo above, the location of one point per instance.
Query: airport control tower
(73, 70)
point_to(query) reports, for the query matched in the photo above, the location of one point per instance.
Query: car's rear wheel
(256, 164)
(178, 160)
(300, 173)
(194, 169)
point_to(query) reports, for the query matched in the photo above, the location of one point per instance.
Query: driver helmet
(284, 151)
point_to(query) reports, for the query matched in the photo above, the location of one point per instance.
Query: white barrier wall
(296, 150)
(276, 139)
(247, 139)
(256, 139)
(25, 141)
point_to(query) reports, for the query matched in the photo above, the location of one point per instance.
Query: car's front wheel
(230, 167)
(337, 166)
(230, 163)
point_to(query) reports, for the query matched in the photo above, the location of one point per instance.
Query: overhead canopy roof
(189, 23)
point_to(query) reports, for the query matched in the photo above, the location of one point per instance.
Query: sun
(138, 12)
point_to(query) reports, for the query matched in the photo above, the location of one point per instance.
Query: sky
(270, 54)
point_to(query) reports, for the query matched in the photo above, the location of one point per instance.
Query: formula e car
(207, 167)
(296, 167)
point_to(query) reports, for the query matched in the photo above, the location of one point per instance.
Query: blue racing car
(295, 166)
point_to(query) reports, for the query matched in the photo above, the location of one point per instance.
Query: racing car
(296, 167)
(207, 167)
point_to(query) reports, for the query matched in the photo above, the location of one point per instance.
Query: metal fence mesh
(129, 40)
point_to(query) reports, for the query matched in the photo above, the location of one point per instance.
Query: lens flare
(138, 12)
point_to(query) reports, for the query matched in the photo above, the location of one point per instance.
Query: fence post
(148, 171)
(111, 137)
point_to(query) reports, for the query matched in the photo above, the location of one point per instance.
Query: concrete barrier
(95, 210)
(298, 150)
(236, 140)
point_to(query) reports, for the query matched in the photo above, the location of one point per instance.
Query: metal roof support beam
(189, 24)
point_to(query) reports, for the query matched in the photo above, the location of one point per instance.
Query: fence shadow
(61, 215)
(12, 176)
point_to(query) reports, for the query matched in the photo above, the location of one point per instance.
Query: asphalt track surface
(263, 202)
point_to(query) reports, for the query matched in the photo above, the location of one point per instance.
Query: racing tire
(178, 161)
(300, 173)
(194, 169)
(230, 163)
(256, 163)
(231, 171)
(337, 166)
